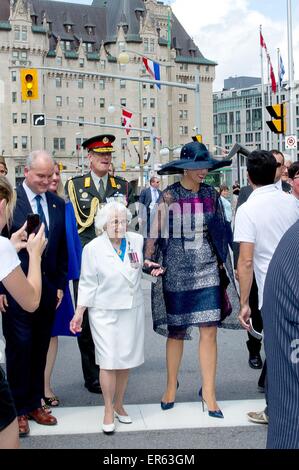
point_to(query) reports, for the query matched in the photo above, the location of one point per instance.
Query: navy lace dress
(188, 229)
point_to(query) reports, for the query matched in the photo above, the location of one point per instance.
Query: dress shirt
(155, 194)
(31, 197)
(96, 180)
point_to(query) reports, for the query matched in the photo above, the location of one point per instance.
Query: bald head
(39, 171)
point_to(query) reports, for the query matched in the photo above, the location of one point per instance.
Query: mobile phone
(33, 223)
(253, 332)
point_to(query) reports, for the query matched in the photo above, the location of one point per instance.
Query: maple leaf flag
(126, 120)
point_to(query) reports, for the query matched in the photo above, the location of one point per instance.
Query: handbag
(226, 306)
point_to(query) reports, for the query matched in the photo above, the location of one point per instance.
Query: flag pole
(279, 93)
(263, 94)
(291, 127)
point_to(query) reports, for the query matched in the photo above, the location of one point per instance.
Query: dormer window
(68, 28)
(20, 33)
(88, 47)
(66, 45)
(90, 30)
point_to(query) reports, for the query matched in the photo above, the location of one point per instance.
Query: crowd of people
(183, 236)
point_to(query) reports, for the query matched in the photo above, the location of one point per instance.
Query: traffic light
(278, 112)
(29, 83)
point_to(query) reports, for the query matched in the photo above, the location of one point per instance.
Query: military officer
(87, 193)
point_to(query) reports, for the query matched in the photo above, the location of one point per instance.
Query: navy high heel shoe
(167, 406)
(213, 414)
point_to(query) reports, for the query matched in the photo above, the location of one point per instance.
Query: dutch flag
(153, 69)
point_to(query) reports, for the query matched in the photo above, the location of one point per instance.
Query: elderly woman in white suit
(110, 288)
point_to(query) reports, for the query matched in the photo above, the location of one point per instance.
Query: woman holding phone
(25, 291)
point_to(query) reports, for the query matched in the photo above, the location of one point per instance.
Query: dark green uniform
(86, 200)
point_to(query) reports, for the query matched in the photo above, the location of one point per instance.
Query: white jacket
(107, 282)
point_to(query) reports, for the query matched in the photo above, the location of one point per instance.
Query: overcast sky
(227, 32)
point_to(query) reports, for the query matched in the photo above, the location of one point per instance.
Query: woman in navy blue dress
(190, 238)
(65, 311)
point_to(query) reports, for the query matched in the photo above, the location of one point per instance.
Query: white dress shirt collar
(96, 179)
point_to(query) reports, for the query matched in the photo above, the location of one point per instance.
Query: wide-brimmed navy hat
(194, 156)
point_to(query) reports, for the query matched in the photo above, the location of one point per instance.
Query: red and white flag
(126, 120)
(272, 75)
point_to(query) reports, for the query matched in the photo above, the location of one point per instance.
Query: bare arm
(245, 275)
(27, 291)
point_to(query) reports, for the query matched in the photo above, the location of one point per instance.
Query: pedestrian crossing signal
(29, 84)
(278, 112)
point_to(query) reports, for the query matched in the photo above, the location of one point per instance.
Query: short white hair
(107, 211)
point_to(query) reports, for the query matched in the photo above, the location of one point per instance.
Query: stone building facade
(88, 39)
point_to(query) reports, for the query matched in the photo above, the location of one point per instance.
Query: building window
(183, 114)
(182, 98)
(238, 121)
(183, 130)
(81, 62)
(228, 139)
(144, 122)
(184, 67)
(81, 121)
(149, 45)
(124, 143)
(122, 83)
(102, 102)
(257, 119)
(24, 33)
(13, 76)
(238, 138)
(24, 142)
(249, 138)
(24, 118)
(14, 118)
(123, 102)
(103, 64)
(15, 142)
(152, 103)
(152, 86)
(102, 84)
(248, 120)
(58, 100)
(258, 137)
(231, 122)
(81, 102)
(17, 33)
(88, 47)
(58, 82)
(153, 122)
(59, 60)
(59, 143)
(67, 100)
(67, 45)
(80, 83)
(102, 120)
(144, 86)
(144, 102)
(68, 28)
(14, 97)
(59, 123)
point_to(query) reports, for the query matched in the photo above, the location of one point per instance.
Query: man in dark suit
(147, 204)
(87, 193)
(28, 335)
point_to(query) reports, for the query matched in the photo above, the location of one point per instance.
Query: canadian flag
(126, 120)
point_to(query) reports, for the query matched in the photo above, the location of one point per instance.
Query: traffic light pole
(292, 126)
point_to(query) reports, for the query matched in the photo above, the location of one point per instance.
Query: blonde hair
(60, 189)
(7, 193)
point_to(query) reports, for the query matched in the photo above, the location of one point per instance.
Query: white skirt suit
(111, 289)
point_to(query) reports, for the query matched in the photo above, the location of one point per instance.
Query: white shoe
(125, 419)
(108, 428)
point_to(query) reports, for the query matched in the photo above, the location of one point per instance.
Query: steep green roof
(5, 25)
(71, 55)
(194, 60)
(38, 29)
(51, 53)
(93, 56)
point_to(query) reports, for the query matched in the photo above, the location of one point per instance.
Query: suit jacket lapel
(22, 200)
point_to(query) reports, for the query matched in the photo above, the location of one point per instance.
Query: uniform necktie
(101, 190)
(41, 214)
